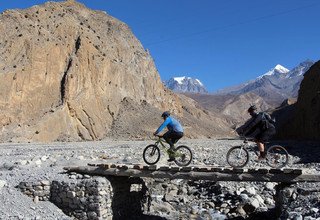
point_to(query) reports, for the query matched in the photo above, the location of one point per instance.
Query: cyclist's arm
(268, 117)
(251, 123)
(162, 126)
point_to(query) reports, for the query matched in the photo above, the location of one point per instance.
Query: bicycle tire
(154, 152)
(277, 156)
(241, 154)
(183, 156)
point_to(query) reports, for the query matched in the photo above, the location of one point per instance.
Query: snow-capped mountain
(278, 71)
(274, 86)
(185, 84)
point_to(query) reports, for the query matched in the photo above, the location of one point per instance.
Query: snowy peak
(278, 70)
(185, 84)
(274, 86)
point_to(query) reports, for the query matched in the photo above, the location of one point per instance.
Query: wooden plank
(123, 167)
(228, 170)
(216, 169)
(238, 170)
(164, 168)
(196, 169)
(263, 170)
(297, 171)
(204, 169)
(186, 169)
(137, 166)
(253, 170)
(194, 175)
(288, 170)
(175, 169)
(275, 171)
(201, 169)
(105, 166)
(152, 167)
(145, 168)
(93, 164)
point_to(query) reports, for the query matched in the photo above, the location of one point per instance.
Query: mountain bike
(238, 156)
(182, 154)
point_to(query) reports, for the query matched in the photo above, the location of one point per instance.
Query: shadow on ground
(307, 151)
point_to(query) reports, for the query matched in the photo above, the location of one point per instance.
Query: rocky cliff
(66, 69)
(303, 117)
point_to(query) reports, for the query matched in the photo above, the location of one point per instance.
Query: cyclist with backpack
(261, 126)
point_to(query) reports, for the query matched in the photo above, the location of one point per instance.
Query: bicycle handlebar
(239, 138)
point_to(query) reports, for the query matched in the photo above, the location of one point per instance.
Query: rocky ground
(170, 199)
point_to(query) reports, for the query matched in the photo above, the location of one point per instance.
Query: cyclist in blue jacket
(174, 133)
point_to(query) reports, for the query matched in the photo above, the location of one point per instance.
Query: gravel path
(33, 162)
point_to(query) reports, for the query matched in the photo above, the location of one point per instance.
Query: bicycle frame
(161, 142)
(246, 144)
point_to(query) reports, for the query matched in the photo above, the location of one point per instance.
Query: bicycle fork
(153, 150)
(240, 152)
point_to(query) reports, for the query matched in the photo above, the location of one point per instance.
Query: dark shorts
(172, 137)
(265, 135)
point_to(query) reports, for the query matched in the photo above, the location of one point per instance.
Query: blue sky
(220, 42)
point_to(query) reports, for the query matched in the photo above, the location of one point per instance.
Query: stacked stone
(87, 199)
(198, 199)
(39, 191)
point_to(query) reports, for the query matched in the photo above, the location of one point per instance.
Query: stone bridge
(128, 204)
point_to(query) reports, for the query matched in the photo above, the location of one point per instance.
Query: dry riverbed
(38, 162)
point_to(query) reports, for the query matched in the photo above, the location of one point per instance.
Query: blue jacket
(172, 125)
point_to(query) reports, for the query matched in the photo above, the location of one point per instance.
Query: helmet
(165, 114)
(252, 108)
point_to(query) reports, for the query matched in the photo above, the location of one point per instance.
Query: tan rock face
(64, 69)
(304, 120)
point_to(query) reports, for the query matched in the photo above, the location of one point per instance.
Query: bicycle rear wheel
(277, 156)
(183, 156)
(151, 154)
(237, 157)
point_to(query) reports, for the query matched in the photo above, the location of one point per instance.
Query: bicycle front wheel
(183, 156)
(237, 157)
(151, 154)
(277, 156)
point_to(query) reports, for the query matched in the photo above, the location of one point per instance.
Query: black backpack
(267, 121)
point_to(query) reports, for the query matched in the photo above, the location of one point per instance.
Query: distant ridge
(277, 87)
(274, 86)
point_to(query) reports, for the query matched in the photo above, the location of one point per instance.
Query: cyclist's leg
(168, 138)
(259, 139)
(262, 138)
(176, 136)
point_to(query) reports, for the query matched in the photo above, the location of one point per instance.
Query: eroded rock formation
(304, 116)
(65, 69)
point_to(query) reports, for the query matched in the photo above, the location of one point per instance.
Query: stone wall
(93, 198)
(39, 191)
(82, 199)
(87, 199)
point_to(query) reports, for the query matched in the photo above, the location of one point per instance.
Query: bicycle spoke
(183, 156)
(277, 157)
(151, 154)
(237, 157)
